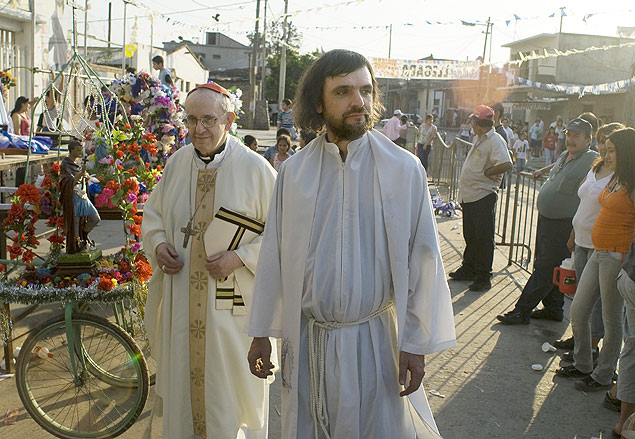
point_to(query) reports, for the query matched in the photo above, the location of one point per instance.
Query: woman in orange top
(612, 236)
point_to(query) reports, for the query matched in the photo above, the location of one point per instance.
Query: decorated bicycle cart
(82, 373)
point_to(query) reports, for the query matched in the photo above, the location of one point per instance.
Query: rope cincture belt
(317, 365)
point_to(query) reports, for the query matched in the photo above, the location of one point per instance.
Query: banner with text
(424, 69)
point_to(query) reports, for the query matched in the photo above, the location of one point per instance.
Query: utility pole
(151, 41)
(109, 22)
(123, 45)
(491, 38)
(390, 41)
(85, 29)
(254, 68)
(283, 58)
(33, 23)
(486, 33)
(263, 70)
(562, 14)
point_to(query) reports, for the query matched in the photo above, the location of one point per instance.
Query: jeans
(423, 154)
(478, 232)
(551, 250)
(581, 255)
(520, 164)
(550, 156)
(600, 272)
(626, 381)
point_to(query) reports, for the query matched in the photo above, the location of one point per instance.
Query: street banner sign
(424, 69)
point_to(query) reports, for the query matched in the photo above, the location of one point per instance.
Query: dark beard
(344, 131)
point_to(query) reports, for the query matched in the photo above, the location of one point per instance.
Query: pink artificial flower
(131, 198)
(135, 247)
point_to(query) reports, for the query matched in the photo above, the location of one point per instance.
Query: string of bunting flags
(514, 17)
(570, 89)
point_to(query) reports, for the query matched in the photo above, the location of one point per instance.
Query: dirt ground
(488, 386)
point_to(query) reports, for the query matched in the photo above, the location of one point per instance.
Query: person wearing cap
(557, 203)
(394, 127)
(197, 297)
(487, 160)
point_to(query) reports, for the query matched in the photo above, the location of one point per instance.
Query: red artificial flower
(28, 257)
(128, 126)
(28, 193)
(134, 229)
(2, 267)
(105, 283)
(32, 240)
(56, 238)
(142, 269)
(97, 124)
(46, 183)
(124, 265)
(15, 250)
(132, 185)
(120, 168)
(55, 168)
(16, 210)
(120, 154)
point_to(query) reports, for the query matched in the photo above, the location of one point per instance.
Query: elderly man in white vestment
(202, 230)
(350, 275)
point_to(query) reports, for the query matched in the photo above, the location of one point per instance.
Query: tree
(296, 65)
(275, 32)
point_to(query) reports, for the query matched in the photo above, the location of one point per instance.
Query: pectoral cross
(187, 231)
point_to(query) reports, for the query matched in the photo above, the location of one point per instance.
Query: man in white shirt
(350, 275)
(393, 127)
(486, 162)
(164, 73)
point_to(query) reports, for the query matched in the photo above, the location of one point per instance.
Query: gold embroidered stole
(199, 276)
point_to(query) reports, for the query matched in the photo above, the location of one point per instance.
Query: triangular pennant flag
(516, 17)
(552, 15)
(507, 22)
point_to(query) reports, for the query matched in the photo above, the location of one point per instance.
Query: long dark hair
(624, 141)
(309, 93)
(18, 104)
(604, 131)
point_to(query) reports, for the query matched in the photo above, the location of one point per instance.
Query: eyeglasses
(208, 122)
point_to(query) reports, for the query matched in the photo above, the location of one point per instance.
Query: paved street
(484, 388)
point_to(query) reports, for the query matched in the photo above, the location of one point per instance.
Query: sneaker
(514, 318)
(570, 372)
(462, 274)
(545, 314)
(613, 404)
(480, 285)
(567, 344)
(588, 384)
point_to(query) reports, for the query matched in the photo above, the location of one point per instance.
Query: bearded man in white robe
(350, 275)
(212, 194)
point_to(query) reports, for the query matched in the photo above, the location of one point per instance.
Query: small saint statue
(80, 215)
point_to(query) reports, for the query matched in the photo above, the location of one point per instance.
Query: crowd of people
(586, 209)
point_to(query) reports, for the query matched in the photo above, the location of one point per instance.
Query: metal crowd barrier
(516, 210)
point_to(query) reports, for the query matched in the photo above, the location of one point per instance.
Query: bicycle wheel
(83, 406)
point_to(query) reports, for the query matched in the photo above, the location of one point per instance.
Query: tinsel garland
(46, 294)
